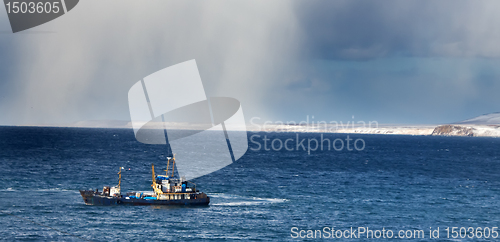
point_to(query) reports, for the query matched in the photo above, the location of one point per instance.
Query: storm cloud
(391, 61)
(360, 30)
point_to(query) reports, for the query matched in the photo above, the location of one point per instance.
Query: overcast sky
(424, 62)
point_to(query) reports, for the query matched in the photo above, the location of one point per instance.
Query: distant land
(487, 125)
(117, 124)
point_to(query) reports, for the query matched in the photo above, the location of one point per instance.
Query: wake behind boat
(167, 190)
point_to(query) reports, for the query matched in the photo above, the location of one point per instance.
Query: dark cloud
(390, 61)
(361, 30)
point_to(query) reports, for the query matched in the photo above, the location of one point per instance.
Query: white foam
(243, 201)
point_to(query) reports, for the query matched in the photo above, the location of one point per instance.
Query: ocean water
(395, 183)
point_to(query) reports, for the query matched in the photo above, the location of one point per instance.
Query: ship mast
(154, 180)
(173, 165)
(157, 187)
(168, 163)
(168, 166)
(120, 178)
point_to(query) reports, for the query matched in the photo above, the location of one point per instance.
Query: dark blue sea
(395, 183)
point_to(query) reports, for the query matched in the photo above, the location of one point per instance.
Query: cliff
(467, 130)
(453, 130)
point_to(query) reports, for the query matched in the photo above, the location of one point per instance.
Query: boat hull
(91, 198)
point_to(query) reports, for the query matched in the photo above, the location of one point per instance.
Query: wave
(10, 189)
(236, 200)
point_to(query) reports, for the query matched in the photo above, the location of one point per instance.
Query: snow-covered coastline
(487, 125)
(471, 130)
(457, 130)
(378, 129)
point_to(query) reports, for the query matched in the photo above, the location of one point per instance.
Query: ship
(168, 190)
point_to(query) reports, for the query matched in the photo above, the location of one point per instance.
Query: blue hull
(91, 198)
